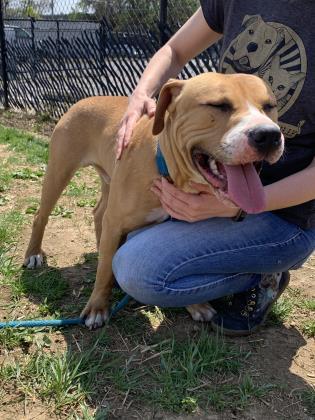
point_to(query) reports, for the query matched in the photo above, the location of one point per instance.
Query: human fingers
(150, 107)
(130, 125)
(201, 188)
(170, 190)
(125, 132)
(120, 141)
(185, 205)
(175, 213)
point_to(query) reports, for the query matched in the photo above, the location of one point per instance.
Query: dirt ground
(280, 353)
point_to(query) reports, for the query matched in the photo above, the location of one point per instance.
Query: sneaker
(243, 313)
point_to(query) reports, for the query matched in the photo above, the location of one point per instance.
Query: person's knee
(122, 269)
(134, 275)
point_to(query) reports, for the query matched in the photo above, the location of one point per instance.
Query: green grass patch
(308, 304)
(31, 204)
(238, 396)
(308, 328)
(44, 117)
(76, 189)
(27, 173)
(65, 382)
(32, 208)
(185, 365)
(3, 200)
(11, 338)
(281, 310)
(46, 286)
(291, 301)
(86, 202)
(5, 179)
(308, 398)
(10, 225)
(62, 211)
(34, 150)
(186, 375)
(62, 381)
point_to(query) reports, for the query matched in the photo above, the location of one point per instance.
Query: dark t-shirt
(276, 41)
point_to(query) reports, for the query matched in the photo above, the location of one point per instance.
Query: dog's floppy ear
(170, 90)
(249, 20)
(282, 33)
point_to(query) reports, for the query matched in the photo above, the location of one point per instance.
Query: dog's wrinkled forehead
(188, 97)
(237, 90)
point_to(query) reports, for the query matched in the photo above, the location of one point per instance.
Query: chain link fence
(56, 52)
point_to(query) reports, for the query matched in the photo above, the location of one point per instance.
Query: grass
(46, 286)
(285, 307)
(184, 376)
(27, 173)
(281, 310)
(76, 189)
(10, 225)
(5, 179)
(174, 381)
(11, 338)
(34, 150)
(86, 202)
(62, 379)
(308, 304)
(62, 211)
(308, 328)
(308, 398)
(184, 366)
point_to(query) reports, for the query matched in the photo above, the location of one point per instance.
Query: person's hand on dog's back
(139, 105)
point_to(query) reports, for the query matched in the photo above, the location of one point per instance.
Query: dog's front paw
(34, 261)
(201, 312)
(96, 312)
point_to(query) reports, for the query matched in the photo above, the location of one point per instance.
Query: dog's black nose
(265, 138)
(252, 47)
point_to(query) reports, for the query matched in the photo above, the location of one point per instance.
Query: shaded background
(56, 52)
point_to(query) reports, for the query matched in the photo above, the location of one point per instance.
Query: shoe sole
(244, 333)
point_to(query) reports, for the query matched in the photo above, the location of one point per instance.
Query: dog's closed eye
(222, 106)
(268, 107)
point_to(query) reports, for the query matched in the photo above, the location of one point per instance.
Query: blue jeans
(177, 264)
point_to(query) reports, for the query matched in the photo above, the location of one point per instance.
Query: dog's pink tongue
(245, 188)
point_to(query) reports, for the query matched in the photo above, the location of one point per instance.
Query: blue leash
(61, 322)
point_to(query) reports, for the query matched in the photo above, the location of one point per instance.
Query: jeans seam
(226, 251)
(210, 285)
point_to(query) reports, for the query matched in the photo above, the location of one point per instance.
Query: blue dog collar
(161, 164)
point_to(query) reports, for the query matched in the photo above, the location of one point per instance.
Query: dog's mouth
(238, 183)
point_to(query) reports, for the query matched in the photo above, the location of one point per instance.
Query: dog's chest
(157, 215)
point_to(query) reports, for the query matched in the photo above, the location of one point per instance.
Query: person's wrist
(140, 93)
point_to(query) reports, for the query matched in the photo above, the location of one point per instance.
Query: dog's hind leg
(61, 168)
(99, 210)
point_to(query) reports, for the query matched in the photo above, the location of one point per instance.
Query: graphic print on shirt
(275, 53)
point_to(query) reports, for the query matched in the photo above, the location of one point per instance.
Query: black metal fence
(52, 58)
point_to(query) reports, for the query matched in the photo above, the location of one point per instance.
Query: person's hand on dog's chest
(190, 207)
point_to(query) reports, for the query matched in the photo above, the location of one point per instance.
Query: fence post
(163, 22)
(58, 42)
(102, 41)
(4, 73)
(33, 58)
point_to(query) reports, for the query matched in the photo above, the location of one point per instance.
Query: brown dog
(211, 129)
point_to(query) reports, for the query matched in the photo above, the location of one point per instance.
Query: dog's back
(78, 132)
